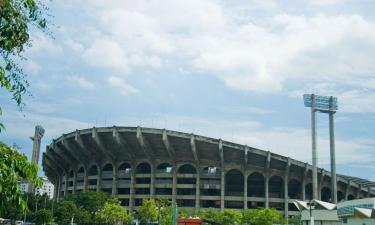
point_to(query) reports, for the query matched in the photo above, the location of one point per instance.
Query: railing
(123, 181)
(107, 181)
(80, 174)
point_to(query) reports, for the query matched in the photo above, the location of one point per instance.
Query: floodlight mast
(328, 105)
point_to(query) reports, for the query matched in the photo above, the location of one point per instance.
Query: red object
(190, 221)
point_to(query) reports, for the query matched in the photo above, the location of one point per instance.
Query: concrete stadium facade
(134, 163)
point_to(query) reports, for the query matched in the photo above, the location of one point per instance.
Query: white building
(47, 187)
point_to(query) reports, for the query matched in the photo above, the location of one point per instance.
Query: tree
(65, 211)
(90, 201)
(114, 213)
(148, 211)
(43, 216)
(229, 217)
(14, 167)
(264, 216)
(16, 16)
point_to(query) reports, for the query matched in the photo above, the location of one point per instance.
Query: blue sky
(234, 70)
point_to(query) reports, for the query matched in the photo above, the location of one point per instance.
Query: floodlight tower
(323, 104)
(39, 132)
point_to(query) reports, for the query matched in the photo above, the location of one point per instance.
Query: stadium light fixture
(323, 104)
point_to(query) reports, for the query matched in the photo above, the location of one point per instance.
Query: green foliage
(90, 201)
(228, 217)
(263, 216)
(113, 213)
(65, 211)
(16, 17)
(148, 211)
(295, 220)
(14, 168)
(43, 216)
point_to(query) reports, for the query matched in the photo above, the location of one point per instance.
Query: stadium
(135, 163)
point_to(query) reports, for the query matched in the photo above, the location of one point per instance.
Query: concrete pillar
(286, 197)
(245, 190)
(132, 188)
(114, 180)
(266, 194)
(197, 191)
(58, 188)
(74, 181)
(174, 184)
(66, 184)
(99, 179)
(314, 153)
(303, 189)
(333, 157)
(358, 191)
(86, 180)
(152, 181)
(347, 191)
(222, 189)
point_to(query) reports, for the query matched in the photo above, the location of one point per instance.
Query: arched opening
(164, 168)
(325, 194)
(80, 178)
(107, 169)
(308, 191)
(340, 196)
(93, 170)
(255, 185)
(350, 197)
(210, 181)
(187, 169)
(294, 189)
(107, 178)
(211, 170)
(186, 181)
(71, 178)
(234, 186)
(143, 168)
(123, 182)
(164, 180)
(255, 188)
(276, 187)
(143, 176)
(124, 168)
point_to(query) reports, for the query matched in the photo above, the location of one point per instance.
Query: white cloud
(82, 82)
(121, 84)
(253, 46)
(107, 53)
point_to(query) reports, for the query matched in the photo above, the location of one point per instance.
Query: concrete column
(174, 184)
(303, 189)
(266, 194)
(286, 197)
(74, 181)
(86, 180)
(66, 184)
(314, 153)
(358, 191)
(132, 188)
(347, 191)
(197, 191)
(114, 180)
(333, 157)
(58, 188)
(152, 181)
(99, 179)
(222, 189)
(245, 190)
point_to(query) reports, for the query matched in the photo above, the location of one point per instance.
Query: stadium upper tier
(133, 163)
